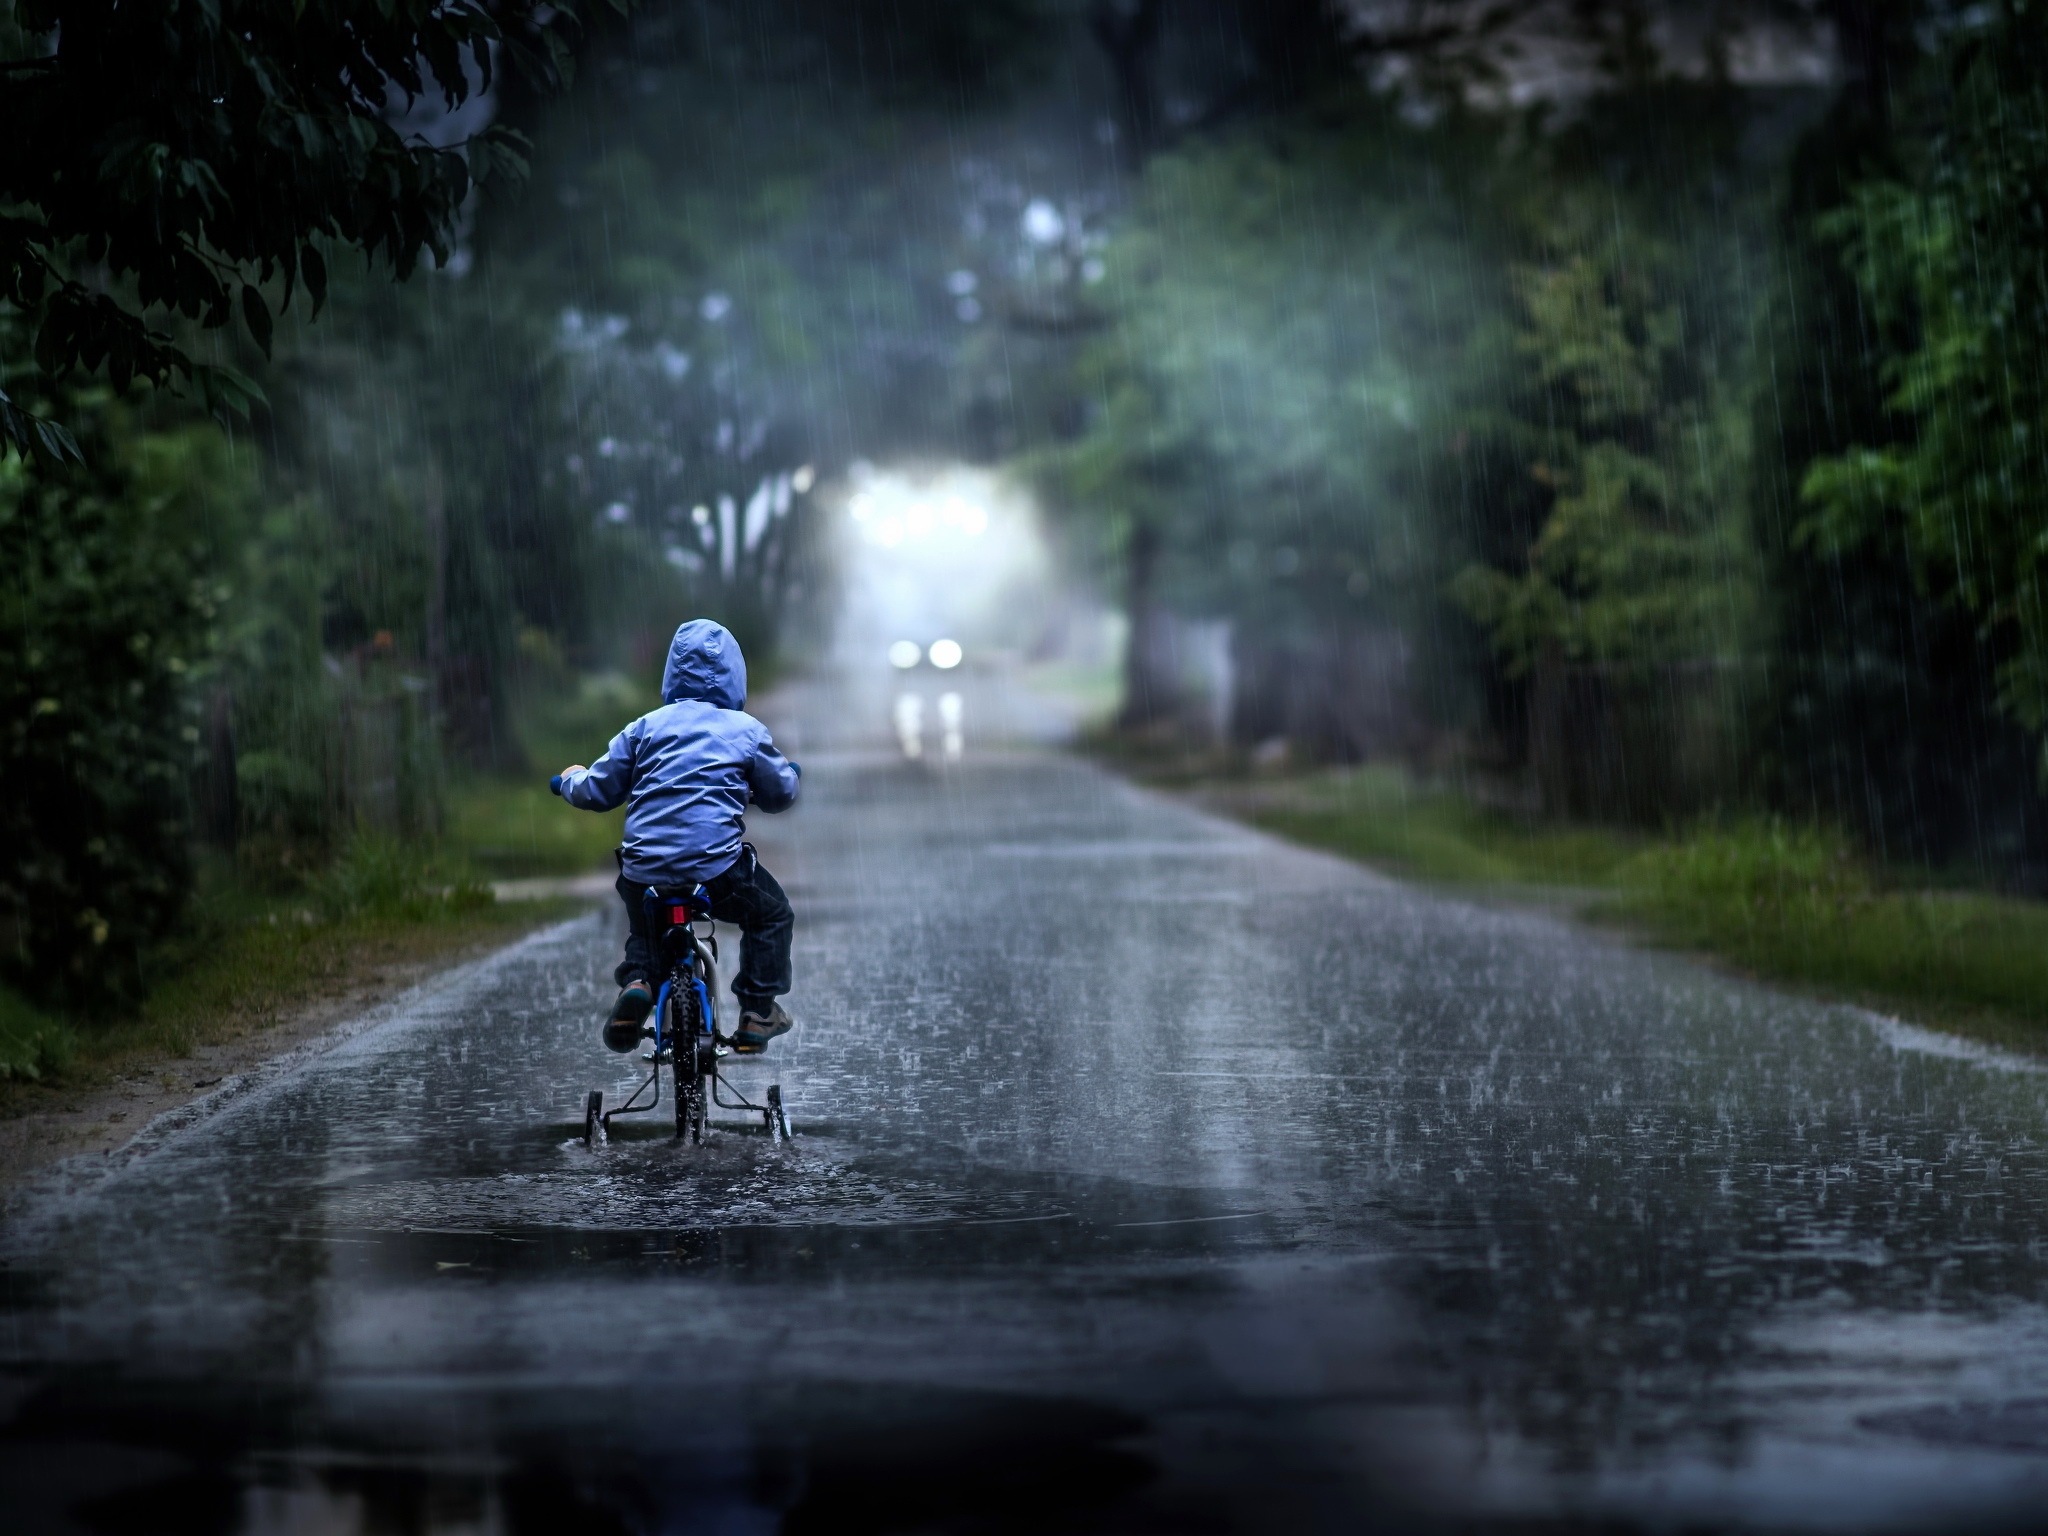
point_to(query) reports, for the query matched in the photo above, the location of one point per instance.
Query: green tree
(169, 160)
(1640, 558)
(1950, 257)
(1287, 303)
(1882, 709)
(165, 170)
(726, 272)
(107, 603)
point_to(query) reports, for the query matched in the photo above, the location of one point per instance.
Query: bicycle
(684, 1028)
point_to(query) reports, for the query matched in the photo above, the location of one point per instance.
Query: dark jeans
(749, 898)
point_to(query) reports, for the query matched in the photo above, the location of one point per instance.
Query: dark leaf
(57, 444)
(14, 423)
(35, 436)
(256, 314)
(314, 266)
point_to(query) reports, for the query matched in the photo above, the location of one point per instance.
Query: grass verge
(249, 953)
(509, 828)
(505, 829)
(33, 1044)
(1793, 904)
(243, 960)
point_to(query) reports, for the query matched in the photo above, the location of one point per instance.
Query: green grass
(246, 977)
(32, 1043)
(1794, 904)
(287, 926)
(243, 957)
(504, 829)
(1799, 905)
(573, 722)
(511, 827)
(1377, 816)
(253, 971)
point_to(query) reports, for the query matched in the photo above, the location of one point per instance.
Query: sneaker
(627, 1026)
(757, 1029)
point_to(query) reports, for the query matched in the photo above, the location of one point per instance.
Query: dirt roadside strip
(100, 1120)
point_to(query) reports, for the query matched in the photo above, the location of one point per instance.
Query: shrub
(103, 619)
(1798, 903)
(31, 1042)
(385, 877)
(1751, 874)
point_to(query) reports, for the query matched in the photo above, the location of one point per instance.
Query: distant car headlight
(904, 654)
(945, 654)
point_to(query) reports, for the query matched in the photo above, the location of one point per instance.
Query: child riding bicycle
(686, 773)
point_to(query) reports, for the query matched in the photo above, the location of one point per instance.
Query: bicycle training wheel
(593, 1117)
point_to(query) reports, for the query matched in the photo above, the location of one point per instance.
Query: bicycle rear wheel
(684, 1030)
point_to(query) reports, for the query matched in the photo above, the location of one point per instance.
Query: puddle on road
(761, 1211)
(774, 1252)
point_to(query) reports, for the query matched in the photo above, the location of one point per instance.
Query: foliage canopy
(106, 611)
(1951, 257)
(171, 159)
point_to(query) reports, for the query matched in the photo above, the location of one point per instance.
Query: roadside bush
(1799, 903)
(384, 877)
(104, 617)
(1753, 875)
(282, 795)
(1785, 900)
(31, 1042)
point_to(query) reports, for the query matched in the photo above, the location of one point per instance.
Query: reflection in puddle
(909, 718)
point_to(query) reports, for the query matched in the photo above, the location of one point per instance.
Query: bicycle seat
(677, 908)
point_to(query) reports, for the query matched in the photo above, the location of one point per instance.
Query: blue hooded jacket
(686, 771)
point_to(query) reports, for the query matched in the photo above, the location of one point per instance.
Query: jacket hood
(705, 664)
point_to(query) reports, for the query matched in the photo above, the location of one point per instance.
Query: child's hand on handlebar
(555, 784)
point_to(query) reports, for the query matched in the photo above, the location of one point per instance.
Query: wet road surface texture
(1148, 1176)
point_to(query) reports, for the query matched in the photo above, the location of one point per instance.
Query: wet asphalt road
(1149, 1176)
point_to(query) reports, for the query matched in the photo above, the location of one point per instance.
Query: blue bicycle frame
(706, 1011)
(695, 1062)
